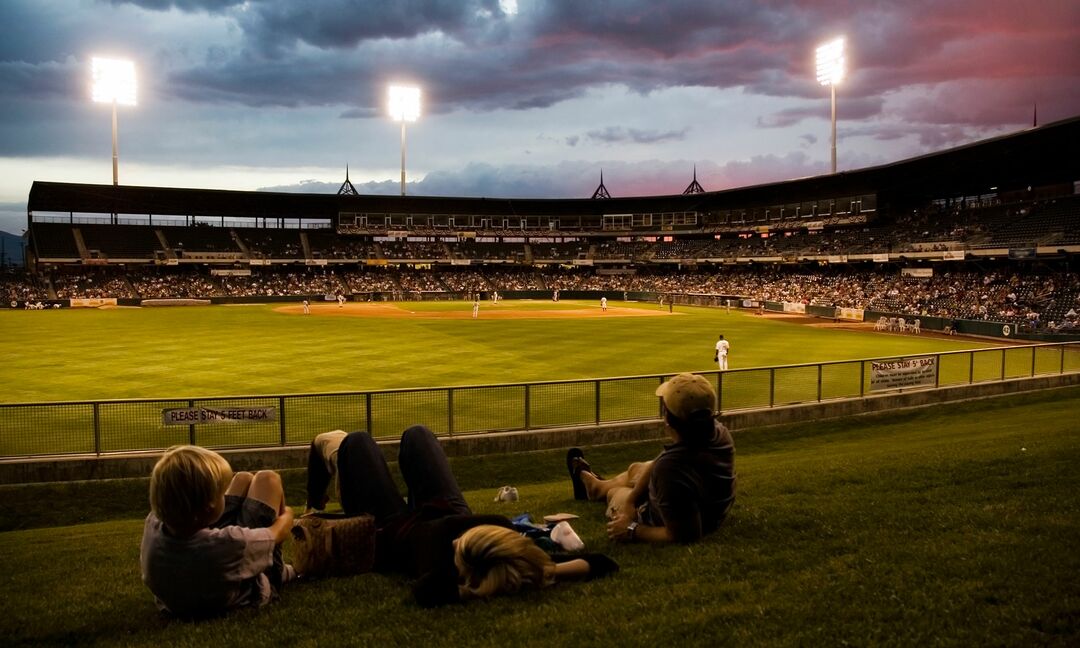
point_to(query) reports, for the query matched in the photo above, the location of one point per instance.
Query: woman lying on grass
(433, 536)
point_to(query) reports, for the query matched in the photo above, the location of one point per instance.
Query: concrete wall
(128, 465)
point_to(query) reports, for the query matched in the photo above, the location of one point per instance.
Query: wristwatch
(631, 529)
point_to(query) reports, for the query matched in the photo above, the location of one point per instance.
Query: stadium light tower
(113, 82)
(830, 71)
(404, 107)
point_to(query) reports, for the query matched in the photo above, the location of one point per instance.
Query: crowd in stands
(1033, 299)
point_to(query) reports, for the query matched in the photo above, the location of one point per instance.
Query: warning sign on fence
(903, 374)
(208, 415)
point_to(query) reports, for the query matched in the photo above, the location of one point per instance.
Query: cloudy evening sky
(522, 99)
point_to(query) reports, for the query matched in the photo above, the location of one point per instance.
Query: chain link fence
(96, 427)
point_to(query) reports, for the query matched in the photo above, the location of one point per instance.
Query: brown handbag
(327, 544)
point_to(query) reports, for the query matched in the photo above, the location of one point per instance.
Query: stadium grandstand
(987, 232)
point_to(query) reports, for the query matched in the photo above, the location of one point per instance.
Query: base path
(392, 310)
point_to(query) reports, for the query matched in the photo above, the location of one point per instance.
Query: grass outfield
(954, 525)
(77, 354)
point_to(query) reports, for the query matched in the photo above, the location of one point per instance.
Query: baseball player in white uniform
(603, 304)
(475, 308)
(307, 307)
(341, 301)
(722, 347)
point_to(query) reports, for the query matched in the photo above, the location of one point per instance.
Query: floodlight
(404, 107)
(830, 62)
(404, 103)
(830, 71)
(113, 81)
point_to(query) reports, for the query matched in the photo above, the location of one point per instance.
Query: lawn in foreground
(954, 525)
(78, 354)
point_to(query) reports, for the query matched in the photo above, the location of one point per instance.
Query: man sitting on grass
(683, 494)
(212, 541)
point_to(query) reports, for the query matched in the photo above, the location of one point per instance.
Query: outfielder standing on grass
(475, 308)
(722, 347)
(603, 304)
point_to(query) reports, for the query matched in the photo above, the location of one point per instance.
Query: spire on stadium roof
(346, 187)
(694, 187)
(601, 191)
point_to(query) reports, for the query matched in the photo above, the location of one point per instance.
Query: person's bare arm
(571, 570)
(282, 526)
(619, 530)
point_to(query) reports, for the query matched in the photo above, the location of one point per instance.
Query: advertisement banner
(850, 314)
(953, 255)
(460, 262)
(315, 262)
(917, 272)
(92, 303)
(230, 272)
(903, 374)
(790, 307)
(881, 257)
(837, 258)
(210, 416)
(1022, 253)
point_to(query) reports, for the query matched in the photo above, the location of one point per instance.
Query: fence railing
(106, 426)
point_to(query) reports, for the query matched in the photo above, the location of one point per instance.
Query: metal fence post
(1002, 363)
(97, 428)
(191, 428)
(1033, 362)
(527, 407)
(971, 367)
(772, 386)
(819, 368)
(367, 414)
(719, 391)
(862, 378)
(1061, 370)
(281, 418)
(450, 411)
(937, 371)
(596, 392)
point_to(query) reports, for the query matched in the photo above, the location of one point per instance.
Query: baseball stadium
(902, 384)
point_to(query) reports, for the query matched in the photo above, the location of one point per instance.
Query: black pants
(366, 485)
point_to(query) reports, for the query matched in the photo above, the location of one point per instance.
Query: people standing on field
(722, 347)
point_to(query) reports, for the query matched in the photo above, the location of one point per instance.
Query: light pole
(830, 71)
(404, 107)
(113, 82)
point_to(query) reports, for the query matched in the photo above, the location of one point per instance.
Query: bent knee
(267, 479)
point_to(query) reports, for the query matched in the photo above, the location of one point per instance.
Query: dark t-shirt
(692, 487)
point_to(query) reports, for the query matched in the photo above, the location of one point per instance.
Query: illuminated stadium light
(404, 107)
(114, 83)
(830, 62)
(830, 71)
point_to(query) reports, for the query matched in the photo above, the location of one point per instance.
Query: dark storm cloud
(469, 55)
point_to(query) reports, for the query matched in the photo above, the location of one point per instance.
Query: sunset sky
(520, 99)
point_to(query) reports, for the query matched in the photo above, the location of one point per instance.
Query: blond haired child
(212, 540)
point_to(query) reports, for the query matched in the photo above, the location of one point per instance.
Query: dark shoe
(575, 463)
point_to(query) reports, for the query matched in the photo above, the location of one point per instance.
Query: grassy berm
(954, 525)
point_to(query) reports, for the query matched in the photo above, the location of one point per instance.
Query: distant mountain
(11, 246)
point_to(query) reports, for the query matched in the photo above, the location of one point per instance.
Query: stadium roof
(1040, 156)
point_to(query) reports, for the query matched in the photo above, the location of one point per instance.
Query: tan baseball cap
(686, 394)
